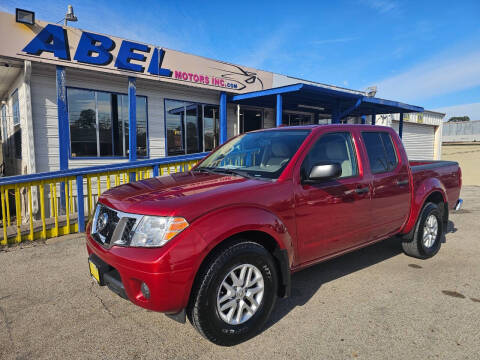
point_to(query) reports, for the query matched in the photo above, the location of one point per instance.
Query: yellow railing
(42, 206)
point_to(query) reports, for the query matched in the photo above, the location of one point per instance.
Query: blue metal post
(63, 131)
(279, 109)
(63, 140)
(336, 114)
(156, 171)
(132, 122)
(223, 117)
(364, 120)
(400, 125)
(132, 119)
(373, 118)
(81, 204)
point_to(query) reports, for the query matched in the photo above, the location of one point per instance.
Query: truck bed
(447, 173)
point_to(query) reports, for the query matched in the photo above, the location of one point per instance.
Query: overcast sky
(425, 53)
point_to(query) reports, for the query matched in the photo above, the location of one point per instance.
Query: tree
(459, 119)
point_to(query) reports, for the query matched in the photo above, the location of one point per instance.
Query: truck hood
(181, 194)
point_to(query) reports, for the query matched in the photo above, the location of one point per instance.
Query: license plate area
(94, 271)
(97, 269)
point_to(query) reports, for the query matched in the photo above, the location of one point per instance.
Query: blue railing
(44, 205)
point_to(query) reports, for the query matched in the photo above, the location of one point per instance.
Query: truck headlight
(154, 231)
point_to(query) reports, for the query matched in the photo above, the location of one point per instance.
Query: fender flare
(226, 223)
(419, 197)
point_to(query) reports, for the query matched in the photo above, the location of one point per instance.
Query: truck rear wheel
(234, 294)
(427, 237)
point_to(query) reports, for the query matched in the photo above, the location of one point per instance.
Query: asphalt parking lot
(375, 303)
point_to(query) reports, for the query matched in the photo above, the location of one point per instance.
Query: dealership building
(72, 98)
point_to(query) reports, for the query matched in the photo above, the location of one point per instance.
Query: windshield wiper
(232, 172)
(204, 169)
(215, 170)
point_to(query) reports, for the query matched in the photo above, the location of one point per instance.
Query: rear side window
(381, 152)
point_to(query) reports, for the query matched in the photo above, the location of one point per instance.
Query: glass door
(251, 119)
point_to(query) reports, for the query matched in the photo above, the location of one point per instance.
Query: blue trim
(274, 91)
(400, 126)
(223, 117)
(81, 205)
(399, 105)
(132, 119)
(317, 94)
(279, 110)
(364, 119)
(336, 113)
(63, 124)
(77, 158)
(8, 180)
(350, 109)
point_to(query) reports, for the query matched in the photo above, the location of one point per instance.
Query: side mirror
(324, 172)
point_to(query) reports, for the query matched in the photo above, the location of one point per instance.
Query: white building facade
(68, 98)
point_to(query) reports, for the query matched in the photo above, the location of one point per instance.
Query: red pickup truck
(218, 243)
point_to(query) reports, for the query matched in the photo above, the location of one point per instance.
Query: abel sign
(68, 46)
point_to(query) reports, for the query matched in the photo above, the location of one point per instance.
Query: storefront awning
(323, 100)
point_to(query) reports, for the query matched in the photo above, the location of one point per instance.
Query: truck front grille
(110, 226)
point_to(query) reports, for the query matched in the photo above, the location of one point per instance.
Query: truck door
(390, 184)
(332, 216)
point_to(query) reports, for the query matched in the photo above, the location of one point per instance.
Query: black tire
(202, 310)
(415, 246)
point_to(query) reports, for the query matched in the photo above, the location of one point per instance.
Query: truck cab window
(381, 153)
(333, 148)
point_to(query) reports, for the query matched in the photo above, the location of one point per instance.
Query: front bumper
(168, 275)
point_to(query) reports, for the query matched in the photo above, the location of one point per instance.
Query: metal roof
(306, 97)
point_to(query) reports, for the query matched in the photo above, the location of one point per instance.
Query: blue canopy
(306, 97)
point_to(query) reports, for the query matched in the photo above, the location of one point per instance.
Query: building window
(15, 108)
(191, 127)
(3, 131)
(17, 139)
(294, 119)
(99, 124)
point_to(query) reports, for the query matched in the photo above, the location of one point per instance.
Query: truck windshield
(261, 154)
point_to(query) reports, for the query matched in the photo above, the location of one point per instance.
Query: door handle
(402, 182)
(362, 190)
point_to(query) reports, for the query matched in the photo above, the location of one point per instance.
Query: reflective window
(141, 126)
(104, 115)
(99, 124)
(17, 139)
(15, 108)
(3, 132)
(333, 148)
(295, 119)
(175, 120)
(380, 150)
(256, 154)
(210, 127)
(191, 127)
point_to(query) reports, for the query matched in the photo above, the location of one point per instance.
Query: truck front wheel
(234, 294)
(427, 237)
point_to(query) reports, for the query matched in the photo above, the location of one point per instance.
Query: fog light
(145, 290)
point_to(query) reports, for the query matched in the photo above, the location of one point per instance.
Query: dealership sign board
(67, 46)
